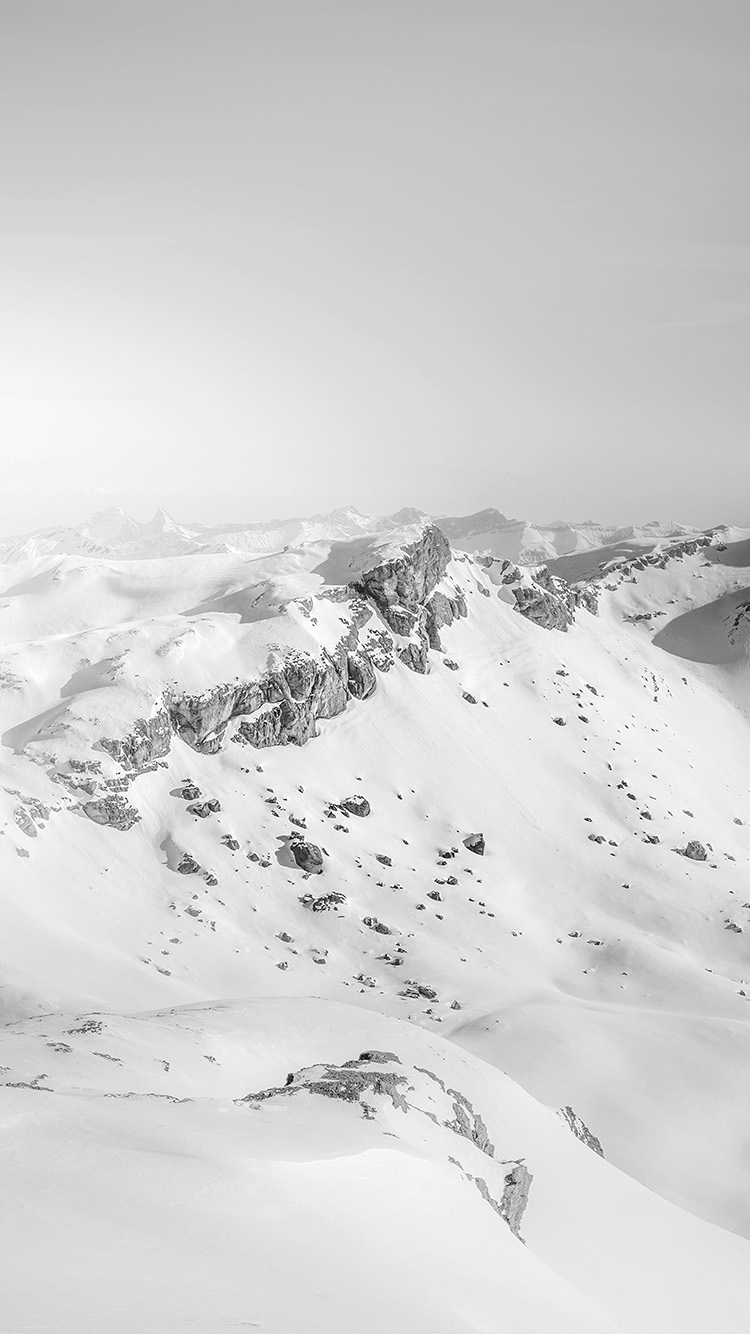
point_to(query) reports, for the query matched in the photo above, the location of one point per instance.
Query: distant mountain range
(114, 534)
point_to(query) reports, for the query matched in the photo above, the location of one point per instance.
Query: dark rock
(696, 851)
(414, 656)
(188, 865)
(375, 925)
(361, 679)
(201, 809)
(327, 902)
(356, 806)
(475, 843)
(190, 792)
(441, 611)
(308, 856)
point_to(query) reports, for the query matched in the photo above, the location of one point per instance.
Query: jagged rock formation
(400, 588)
(581, 1130)
(551, 602)
(283, 705)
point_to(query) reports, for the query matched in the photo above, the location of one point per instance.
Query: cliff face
(403, 589)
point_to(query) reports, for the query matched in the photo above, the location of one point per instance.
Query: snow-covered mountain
(114, 533)
(329, 874)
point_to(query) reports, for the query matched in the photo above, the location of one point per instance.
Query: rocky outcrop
(551, 602)
(516, 1197)
(149, 740)
(284, 704)
(442, 610)
(540, 596)
(368, 1077)
(347, 1082)
(114, 811)
(659, 560)
(403, 583)
(403, 588)
(581, 1130)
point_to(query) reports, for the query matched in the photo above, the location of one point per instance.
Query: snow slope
(196, 1209)
(586, 957)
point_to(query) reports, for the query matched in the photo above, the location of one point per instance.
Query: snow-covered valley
(242, 794)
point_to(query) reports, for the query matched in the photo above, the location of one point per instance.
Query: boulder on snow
(187, 865)
(356, 806)
(475, 843)
(696, 851)
(190, 792)
(328, 902)
(308, 856)
(376, 925)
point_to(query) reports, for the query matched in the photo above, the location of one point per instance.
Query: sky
(259, 260)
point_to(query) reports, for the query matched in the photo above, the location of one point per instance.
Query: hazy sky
(264, 259)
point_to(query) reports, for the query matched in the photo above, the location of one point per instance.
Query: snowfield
(176, 729)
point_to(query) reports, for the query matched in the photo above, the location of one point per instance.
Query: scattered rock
(187, 865)
(375, 925)
(475, 843)
(695, 851)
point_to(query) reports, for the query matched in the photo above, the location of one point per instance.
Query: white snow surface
(613, 976)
